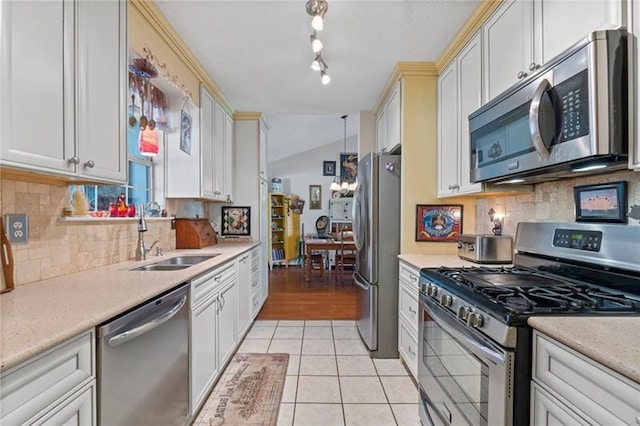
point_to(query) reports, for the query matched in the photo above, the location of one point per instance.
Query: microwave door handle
(534, 124)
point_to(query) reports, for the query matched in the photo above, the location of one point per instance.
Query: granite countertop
(610, 341)
(435, 260)
(37, 316)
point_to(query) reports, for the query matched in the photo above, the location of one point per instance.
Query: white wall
(299, 171)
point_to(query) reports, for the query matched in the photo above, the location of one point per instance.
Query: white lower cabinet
(227, 337)
(56, 387)
(203, 352)
(569, 388)
(408, 311)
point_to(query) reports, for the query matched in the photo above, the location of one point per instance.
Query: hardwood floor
(290, 297)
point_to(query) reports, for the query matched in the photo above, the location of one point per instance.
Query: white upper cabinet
(508, 46)
(216, 151)
(63, 82)
(634, 80)
(562, 23)
(459, 94)
(389, 121)
(514, 47)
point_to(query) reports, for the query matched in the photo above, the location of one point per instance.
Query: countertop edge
(18, 324)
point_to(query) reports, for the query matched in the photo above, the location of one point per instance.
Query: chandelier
(317, 9)
(344, 186)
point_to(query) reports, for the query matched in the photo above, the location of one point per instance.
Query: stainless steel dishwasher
(143, 364)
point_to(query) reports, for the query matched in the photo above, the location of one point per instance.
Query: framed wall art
(315, 197)
(606, 202)
(185, 132)
(438, 223)
(328, 168)
(236, 221)
(348, 166)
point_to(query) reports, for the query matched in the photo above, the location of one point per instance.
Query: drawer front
(548, 410)
(408, 346)
(409, 275)
(408, 305)
(204, 284)
(593, 389)
(80, 409)
(36, 386)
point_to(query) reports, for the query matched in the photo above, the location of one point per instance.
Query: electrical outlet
(17, 228)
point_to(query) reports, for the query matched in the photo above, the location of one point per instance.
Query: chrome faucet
(141, 250)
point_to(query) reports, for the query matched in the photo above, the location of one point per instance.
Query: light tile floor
(331, 380)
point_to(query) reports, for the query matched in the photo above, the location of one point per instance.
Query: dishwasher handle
(132, 333)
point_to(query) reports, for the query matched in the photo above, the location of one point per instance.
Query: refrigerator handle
(357, 217)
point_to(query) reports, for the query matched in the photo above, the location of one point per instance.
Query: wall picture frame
(185, 132)
(328, 168)
(438, 222)
(315, 197)
(605, 202)
(236, 221)
(348, 166)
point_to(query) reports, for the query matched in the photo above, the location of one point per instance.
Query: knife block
(194, 233)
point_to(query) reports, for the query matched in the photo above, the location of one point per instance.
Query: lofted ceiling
(259, 55)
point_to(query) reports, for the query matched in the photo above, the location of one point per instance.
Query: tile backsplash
(57, 247)
(549, 202)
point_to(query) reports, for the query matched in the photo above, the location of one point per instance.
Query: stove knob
(472, 247)
(475, 320)
(460, 245)
(432, 291)
(463, 312)
(446, 300)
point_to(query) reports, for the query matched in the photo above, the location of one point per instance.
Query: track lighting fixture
(317, 9)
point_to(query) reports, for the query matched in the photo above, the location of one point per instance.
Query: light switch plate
(17, 228)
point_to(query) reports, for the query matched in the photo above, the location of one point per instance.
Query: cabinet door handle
(412, 311)
(90, 164)
(521, 75)
(411, 351)
(533, 66)
(74, 160)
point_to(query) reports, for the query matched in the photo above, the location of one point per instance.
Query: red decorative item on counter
(131, 210)
(113, 209)
(122, 206)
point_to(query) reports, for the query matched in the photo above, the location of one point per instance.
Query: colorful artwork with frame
(236, 221)
(348, 167)
(605, 202)
(438, 223)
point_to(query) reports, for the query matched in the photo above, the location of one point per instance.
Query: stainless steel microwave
(568, 118)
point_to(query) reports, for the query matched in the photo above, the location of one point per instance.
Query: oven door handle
(458, 332)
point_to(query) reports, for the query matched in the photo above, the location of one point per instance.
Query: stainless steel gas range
(475, 346)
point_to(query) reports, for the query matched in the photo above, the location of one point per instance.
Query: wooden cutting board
(8, 282)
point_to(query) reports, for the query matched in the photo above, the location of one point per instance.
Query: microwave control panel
(573, 97)
(578, 240)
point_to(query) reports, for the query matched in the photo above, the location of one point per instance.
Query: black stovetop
(517, 292)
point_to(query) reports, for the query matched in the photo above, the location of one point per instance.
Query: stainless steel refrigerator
(376, 224)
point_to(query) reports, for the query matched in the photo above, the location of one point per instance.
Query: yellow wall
(419, 168)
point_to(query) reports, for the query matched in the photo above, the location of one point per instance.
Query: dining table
(322, 244)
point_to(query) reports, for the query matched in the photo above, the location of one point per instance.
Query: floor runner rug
(250, 391)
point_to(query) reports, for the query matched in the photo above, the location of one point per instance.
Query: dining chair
(346, 255)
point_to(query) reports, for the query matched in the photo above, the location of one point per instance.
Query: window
(138, 189)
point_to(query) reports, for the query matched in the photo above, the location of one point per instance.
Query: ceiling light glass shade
(344, 186)
(352, 186)
(315, 65)
(325, 78)
(317, 23)
(316, 44)
(335, 186)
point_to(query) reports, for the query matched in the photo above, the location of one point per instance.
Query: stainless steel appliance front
(569, 115)
(143, 364)
(377, 237)
(464, 377)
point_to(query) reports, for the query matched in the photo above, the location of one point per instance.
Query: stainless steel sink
(157, 267)
(176, 263)
(186, 260)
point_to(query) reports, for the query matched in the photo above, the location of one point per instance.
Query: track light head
(324, 77)
(316, 44)
(317, 9)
